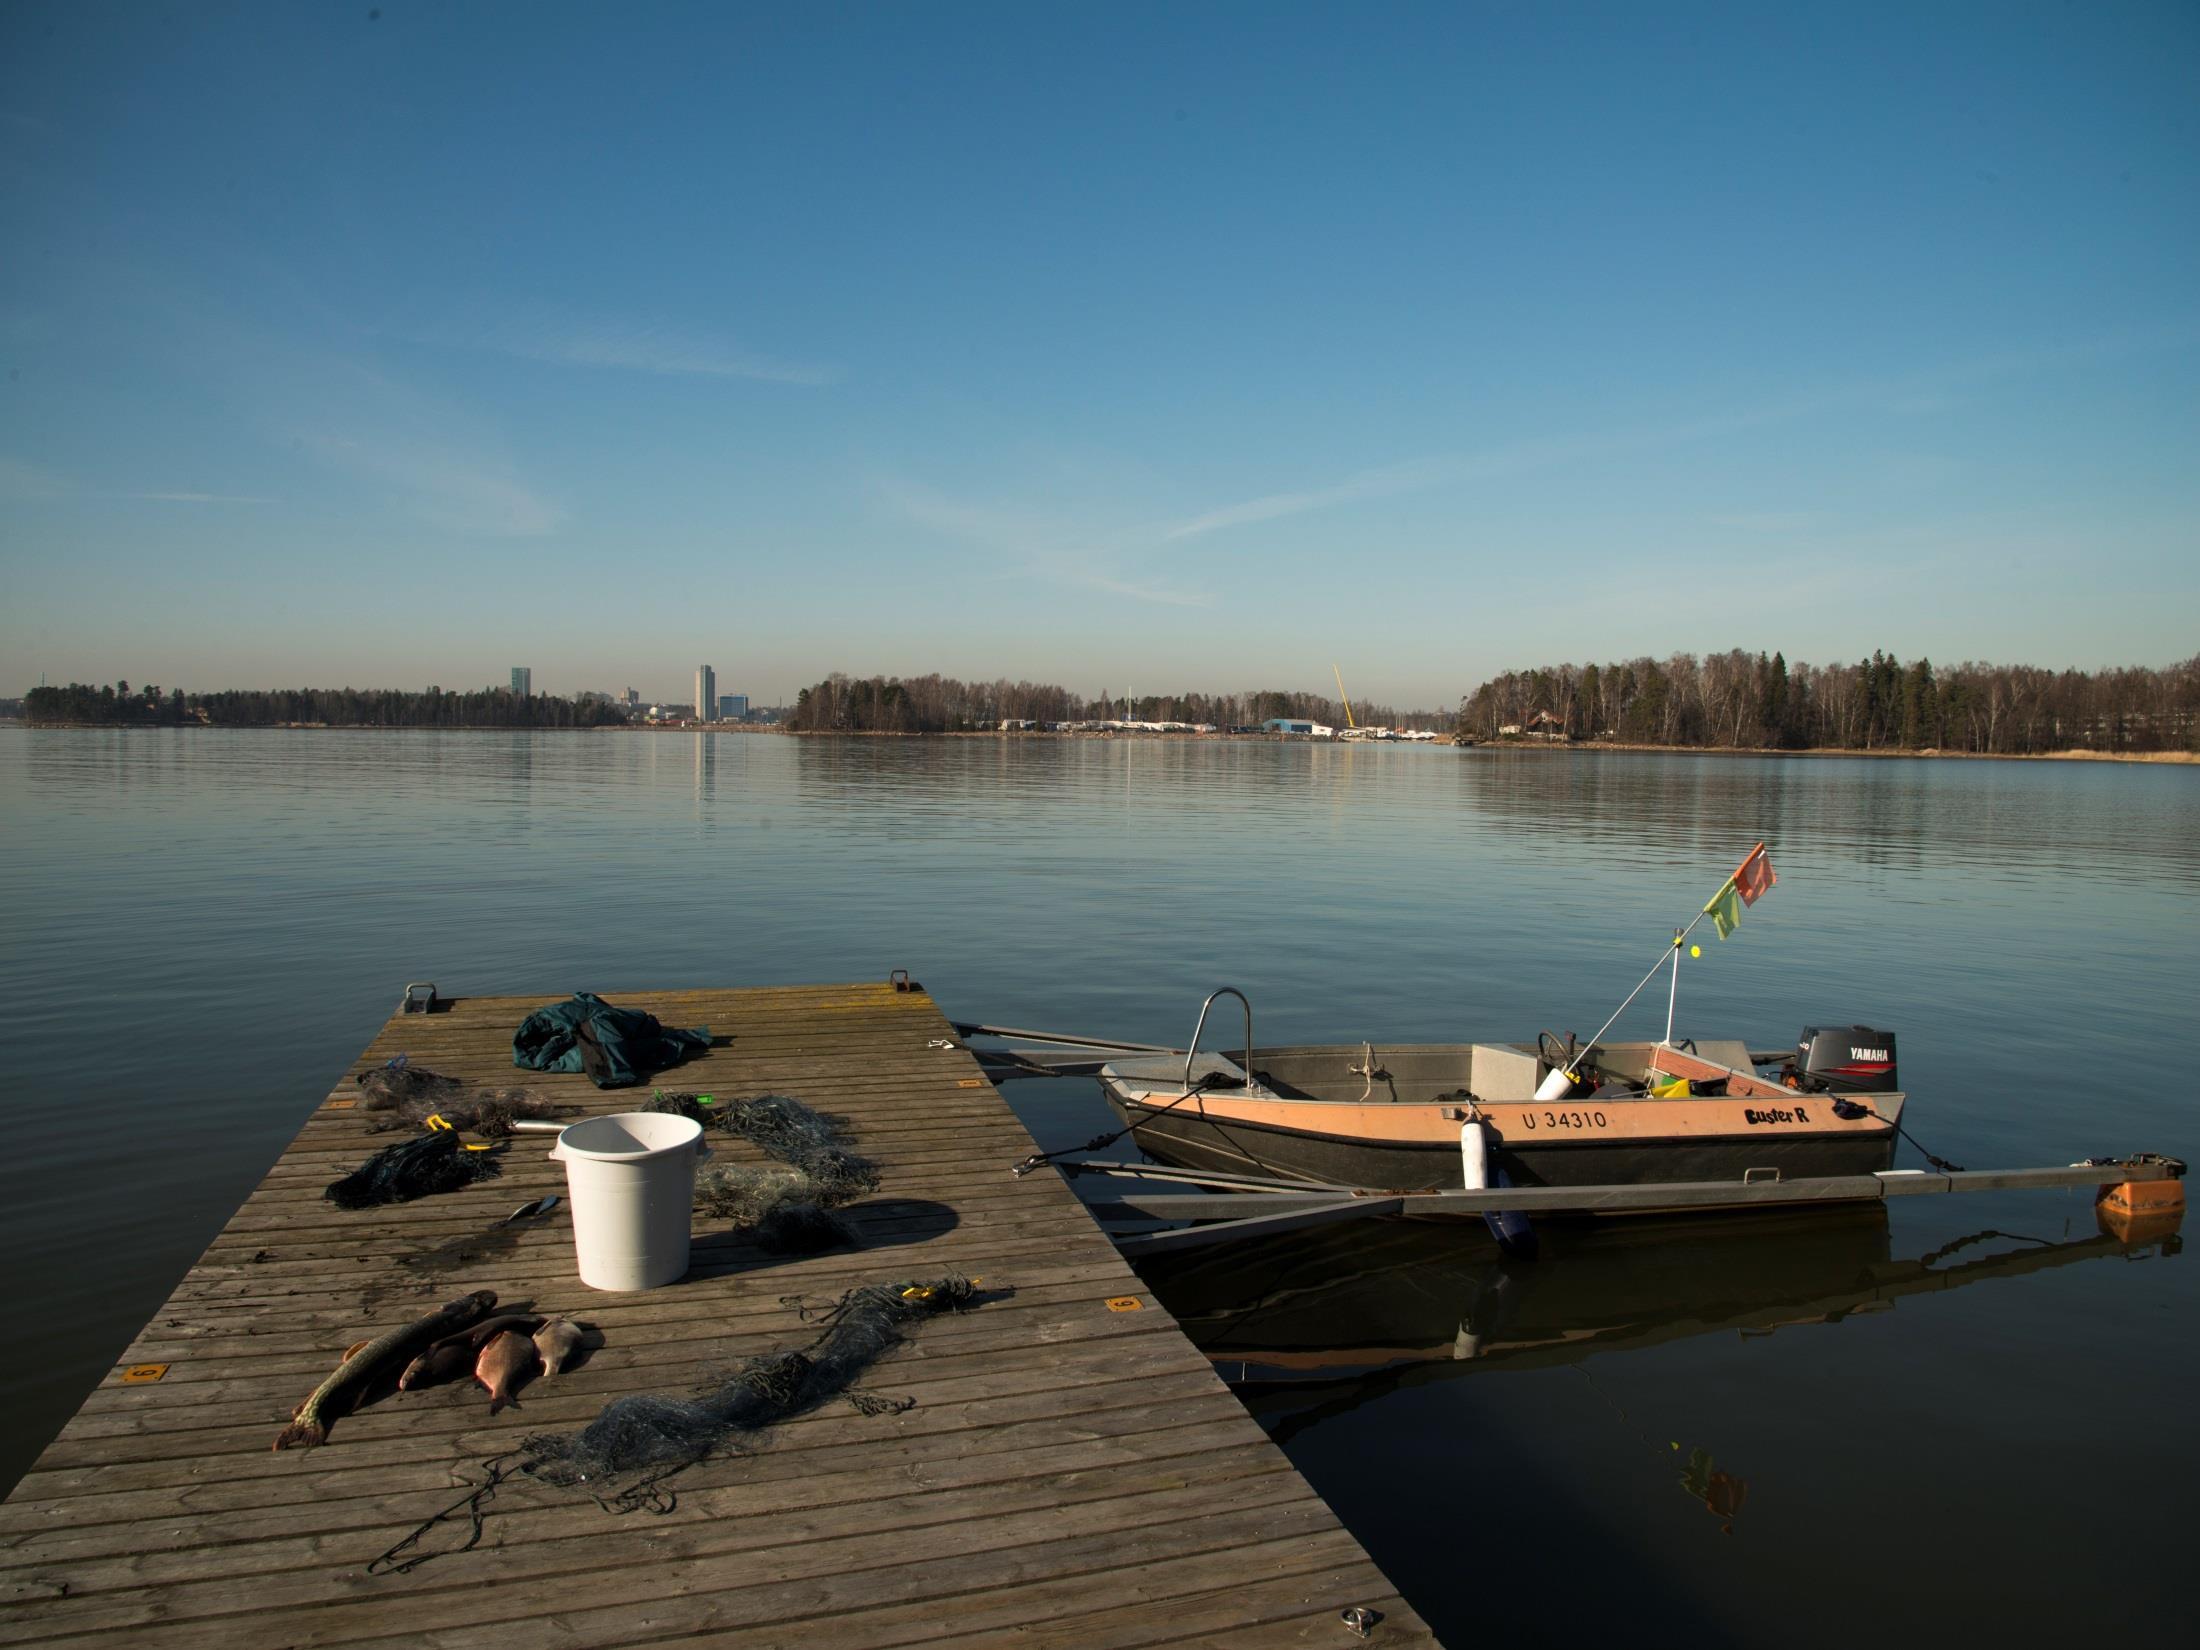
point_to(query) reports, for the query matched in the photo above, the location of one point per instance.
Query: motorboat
(1508, 1130)
(1390, 1117)
(1430, 1117)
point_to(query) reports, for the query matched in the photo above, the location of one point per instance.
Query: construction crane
(1339, 674)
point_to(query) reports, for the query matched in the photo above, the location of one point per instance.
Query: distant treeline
(1742, 700)
(124, 706)
(941, 704)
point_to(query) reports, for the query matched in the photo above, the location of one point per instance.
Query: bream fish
(556, 1342)
(454, 1355)
(503, 1364)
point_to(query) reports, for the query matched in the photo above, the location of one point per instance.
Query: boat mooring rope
(1850, 1110)
(1039, 1160)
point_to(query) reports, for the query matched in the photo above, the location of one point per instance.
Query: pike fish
(503, 1364)
(310, 1422)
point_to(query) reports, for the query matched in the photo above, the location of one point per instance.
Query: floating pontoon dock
(1247, 1206)
(1073, 1473)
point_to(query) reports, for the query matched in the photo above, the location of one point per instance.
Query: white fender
(1474, 1157)
(1557, 1086)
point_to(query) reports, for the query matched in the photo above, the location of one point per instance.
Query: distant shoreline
(2173, 758)
(1506, 747)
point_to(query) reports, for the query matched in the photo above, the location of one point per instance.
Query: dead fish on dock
(504, 1363)
(517, 1323)
(444, 1361)
(310, 1422)
(454, 1355)
(556, 1342)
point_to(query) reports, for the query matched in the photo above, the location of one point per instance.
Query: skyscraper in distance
(523, 681)
(706, 693)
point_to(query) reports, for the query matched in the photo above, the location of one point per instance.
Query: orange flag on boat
(1755, 876)
(1744, 887)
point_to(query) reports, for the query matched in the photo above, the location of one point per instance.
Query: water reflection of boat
(1329, 1305)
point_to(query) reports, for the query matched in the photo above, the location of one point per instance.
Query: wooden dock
(1073, 1472)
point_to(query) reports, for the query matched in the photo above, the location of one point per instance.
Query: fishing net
(412, 1168)
(780, 1206)
(784, 1128)
(745, 1193)
(385, 1087)
(656, 1436)
(489, 1113)
(414, 1094)
(786, 1205)
(624, 1457)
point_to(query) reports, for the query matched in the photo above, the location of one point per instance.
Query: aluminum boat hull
(1399, 1130)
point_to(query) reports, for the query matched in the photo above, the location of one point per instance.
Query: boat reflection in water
(1341, 1314)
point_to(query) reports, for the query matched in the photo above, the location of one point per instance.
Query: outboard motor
(1846, 1060)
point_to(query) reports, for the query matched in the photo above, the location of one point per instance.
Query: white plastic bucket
(632, 1181)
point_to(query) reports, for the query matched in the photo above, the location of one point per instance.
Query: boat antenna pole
(1672, 995)
(1678, 939)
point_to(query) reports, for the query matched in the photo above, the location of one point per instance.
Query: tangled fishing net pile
(787, 1204)
(412, 1094)
(412, 1168)
(654, 1435)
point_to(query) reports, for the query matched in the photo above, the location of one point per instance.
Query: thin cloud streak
(1911, 393)
(304, 379)
(575, 341)
(1418, 475)
(1040, 545)
(1763, 521)
(1046, 548)
(448, 491)
(203, 498)
(22, 480)
(1383, 483)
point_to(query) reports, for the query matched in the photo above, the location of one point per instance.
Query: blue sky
(1197, 346)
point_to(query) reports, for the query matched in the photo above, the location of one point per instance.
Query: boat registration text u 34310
(1565, 1120)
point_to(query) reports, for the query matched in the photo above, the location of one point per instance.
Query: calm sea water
(1963, 1409)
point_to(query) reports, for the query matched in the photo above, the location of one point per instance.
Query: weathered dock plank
(1072, 1471)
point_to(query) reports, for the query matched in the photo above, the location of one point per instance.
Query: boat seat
(1720, 1051)
(1166, 1071)
(1501, 1073)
